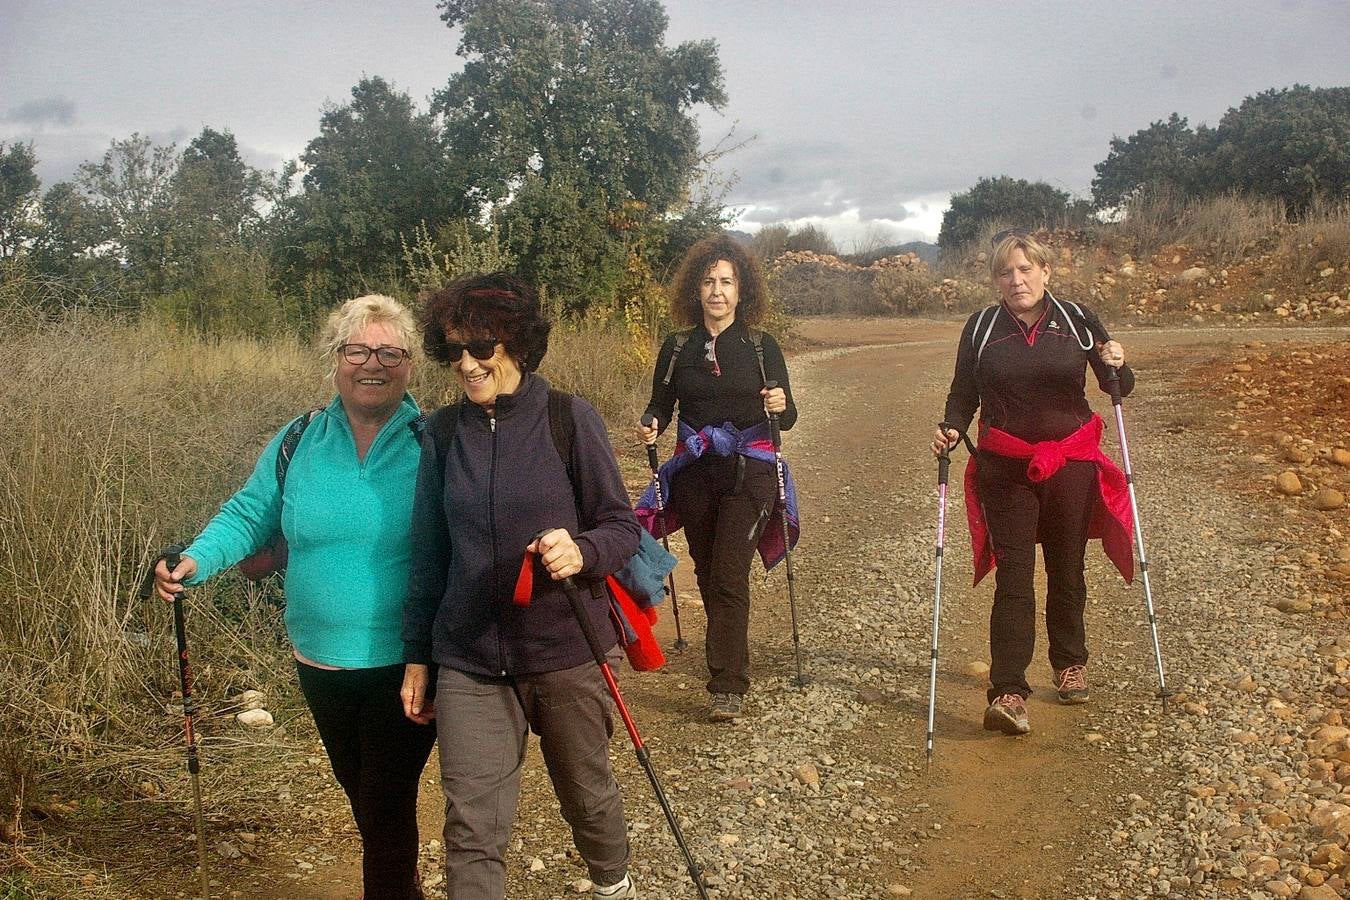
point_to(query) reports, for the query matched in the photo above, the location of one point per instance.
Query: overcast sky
(859, 113)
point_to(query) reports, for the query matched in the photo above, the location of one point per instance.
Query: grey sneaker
(1007, 714)
(726, 707)
(1071, 685)
(624, 890)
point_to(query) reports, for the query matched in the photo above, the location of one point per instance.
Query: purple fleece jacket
(503, 482)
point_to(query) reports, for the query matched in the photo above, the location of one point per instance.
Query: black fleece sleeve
(610, 530)
(662, 403)
(775, 367)
(1100, 369)
(963, 398)
(430, 554)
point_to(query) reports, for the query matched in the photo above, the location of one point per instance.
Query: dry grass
(123, 436)
(1320, 238)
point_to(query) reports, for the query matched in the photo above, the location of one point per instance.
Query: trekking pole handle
(944, 459)
(648, 420)
(773, 419)
(1113, 385)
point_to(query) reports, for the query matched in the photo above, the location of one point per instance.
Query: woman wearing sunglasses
(344, 509)
(726, 378)
(508, 661)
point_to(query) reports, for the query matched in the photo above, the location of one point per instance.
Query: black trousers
(1019, 513)
(724, 503)
(377, 755)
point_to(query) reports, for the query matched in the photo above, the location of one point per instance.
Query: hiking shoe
(1071, 684)
(1007, 714)
(726, 707)
(624, 890)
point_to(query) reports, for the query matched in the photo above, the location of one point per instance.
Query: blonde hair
(1035, 251)
(356, 314)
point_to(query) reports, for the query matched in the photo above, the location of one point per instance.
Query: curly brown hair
(501, 306)
(752, 301)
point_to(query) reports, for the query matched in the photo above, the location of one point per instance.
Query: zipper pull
(492, 424)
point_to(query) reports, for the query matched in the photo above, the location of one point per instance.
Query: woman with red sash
(1039, 475)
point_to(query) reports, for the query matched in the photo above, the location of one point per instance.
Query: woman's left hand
(558, 552)
(775, 400)
(1112, 354)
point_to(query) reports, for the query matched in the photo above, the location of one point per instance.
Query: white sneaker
(624, 890)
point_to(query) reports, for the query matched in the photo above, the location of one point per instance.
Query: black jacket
(502, 483)
(732, 394)
(1028, 381)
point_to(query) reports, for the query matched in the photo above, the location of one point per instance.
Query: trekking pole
(944, 462)
(1113, 384)
(170, 555)
(639, 748)
(680, 643)
(787, 539)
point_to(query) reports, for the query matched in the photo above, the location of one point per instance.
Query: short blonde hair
(353, 316)
(1035, 251)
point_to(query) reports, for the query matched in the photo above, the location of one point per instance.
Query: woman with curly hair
(493, 486)
(726, 378)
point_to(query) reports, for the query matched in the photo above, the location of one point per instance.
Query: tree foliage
(1012, 203)
(1291, 144)
(581, 91)
(375, 172)
(19, 186)
(130, 190)
(1163, 155)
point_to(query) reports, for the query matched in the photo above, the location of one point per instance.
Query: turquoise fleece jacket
(347, 524)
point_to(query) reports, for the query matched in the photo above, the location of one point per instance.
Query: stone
(1293, 605)
(1327, 499)
(536, 864)
(1318, 892)
(1194, 273)
(1297, 455)
(254, 718)
(1288, 483)
(808, 775)
(898, 890)
(976, 669)
(1340, 456)
(250, 700)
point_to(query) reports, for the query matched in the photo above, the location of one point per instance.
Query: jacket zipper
(492, 528)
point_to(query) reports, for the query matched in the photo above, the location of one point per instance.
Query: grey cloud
(45, 111)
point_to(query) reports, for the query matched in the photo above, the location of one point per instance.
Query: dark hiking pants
(377, 755)
(1018, 511)
(724, 503)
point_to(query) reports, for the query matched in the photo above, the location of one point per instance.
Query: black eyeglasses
(1007, 233)
(389, 357)
(482, 348)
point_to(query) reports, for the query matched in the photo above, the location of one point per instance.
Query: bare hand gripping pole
(170, 555)
(639, 748)
(1113, 384)
(653, 464)
(787, 539)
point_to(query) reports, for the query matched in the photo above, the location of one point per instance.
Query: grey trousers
(482, 724)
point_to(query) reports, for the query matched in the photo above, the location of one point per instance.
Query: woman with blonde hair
(344, 508)
(1039, 475)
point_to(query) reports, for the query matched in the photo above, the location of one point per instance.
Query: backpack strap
(681, 338)
(757, 338)
(289, 441)
(1076, 319)
(978, 340)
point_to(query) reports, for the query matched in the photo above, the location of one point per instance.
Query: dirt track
(996, 816)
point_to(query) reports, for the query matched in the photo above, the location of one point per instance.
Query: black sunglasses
(1007, 233)
(481, 348)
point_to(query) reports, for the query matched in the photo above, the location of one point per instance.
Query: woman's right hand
(647, 433)
(169, 584)
(944, 440)
(416, 706)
